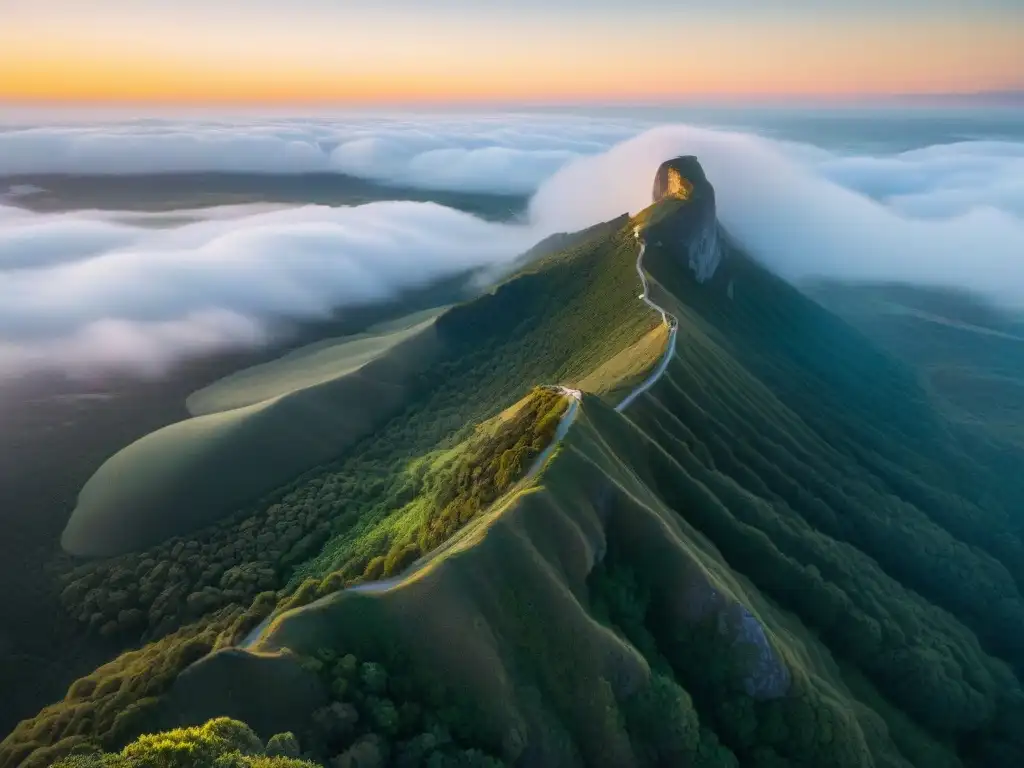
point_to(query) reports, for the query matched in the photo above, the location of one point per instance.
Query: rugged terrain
(783, 552)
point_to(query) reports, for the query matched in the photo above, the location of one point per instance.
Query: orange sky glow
(162, 58)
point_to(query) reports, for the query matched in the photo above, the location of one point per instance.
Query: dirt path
(563, 429)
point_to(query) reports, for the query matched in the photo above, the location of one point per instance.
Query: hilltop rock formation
(694, 227)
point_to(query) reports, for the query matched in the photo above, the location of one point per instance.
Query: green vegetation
(460, 484)
(968, 351)
(855, 507)
(490, 466)
(452, 490)
(373, 719)
(307, 366)
(599, 628)
(784, 555)
(556, 324)
(147, 592)
(377, 717)
(118, 701)
(553, 325)
(219, 743)
(190, 473)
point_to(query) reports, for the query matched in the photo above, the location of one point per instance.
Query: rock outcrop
(694, 227)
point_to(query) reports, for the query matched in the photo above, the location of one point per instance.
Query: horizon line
(1009, 96)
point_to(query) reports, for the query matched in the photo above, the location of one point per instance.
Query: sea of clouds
(948, 215)
(80, 292)
(505, 153)
(91, 290)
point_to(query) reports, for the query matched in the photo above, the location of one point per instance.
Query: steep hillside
(968, 351)
(252, 433)
(781, 553)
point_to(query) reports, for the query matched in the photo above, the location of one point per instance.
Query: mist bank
(80, 292)
(510, 154)
(946, 216)
(90, 290)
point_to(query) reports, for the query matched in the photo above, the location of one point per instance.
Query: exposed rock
(765, 674)
(705, 253)
(681, 177)
(670, 182)
(692, 230)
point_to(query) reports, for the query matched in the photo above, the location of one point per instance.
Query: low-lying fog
(89, 289)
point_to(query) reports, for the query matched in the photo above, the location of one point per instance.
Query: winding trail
(254, 634)
(563, 429)
(669, 320)
(381, 585)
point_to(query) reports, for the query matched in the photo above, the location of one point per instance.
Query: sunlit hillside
(781, 552)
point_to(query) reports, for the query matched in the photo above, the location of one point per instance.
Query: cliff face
(694, 226)
(681, 177)
(670, 182)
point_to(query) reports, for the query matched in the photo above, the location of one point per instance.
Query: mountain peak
(692, 230)
(682, 178)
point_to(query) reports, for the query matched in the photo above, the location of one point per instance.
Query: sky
(535, 51)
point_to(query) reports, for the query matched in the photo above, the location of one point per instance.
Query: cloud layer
(505, 153)
(87, 290)
(943, 216)
(938, 181)
(510, 153)
(79, 292)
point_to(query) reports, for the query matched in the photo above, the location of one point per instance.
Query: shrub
(186, 747)
(283, 745)
(220, 743)
(374, 569)
(400, 558)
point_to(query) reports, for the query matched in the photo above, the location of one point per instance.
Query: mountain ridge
(762, 561)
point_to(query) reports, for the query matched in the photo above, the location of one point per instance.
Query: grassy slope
(969, 353)
(556, 322)
(567, 696)
(553, 325)
(783, 468)
(847, 518)
(42, 470)
(189, 473)
(307, 366)
(193, 472)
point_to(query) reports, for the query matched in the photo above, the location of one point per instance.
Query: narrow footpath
(563, 429)
(669, 320)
